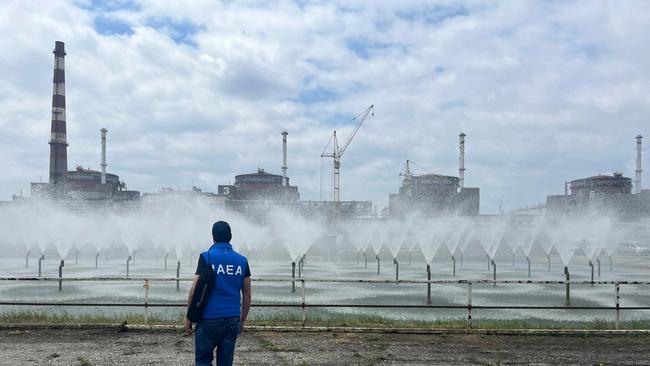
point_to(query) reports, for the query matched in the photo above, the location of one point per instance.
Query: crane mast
(337, 153)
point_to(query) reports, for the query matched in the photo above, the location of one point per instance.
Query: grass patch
(318, 319)
(83, 361)
(65, 318)
(270, 346)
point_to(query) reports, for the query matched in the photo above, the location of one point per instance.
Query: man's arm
(188, 324)
(246, 302)
(189, 297)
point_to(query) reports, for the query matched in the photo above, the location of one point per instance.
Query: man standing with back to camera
(228, 304)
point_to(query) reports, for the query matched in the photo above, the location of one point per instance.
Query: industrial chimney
(58, 141)
(103, 130)
(285, 183)
(639, 170)
(461, 161)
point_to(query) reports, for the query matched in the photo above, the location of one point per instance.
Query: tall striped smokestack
(58, 141)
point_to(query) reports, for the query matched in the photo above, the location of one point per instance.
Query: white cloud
(199, 91)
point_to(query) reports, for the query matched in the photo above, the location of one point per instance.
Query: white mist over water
(181, 227)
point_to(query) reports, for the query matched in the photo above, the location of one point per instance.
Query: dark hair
(221, 232)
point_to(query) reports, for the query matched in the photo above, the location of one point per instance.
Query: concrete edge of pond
(317, 329)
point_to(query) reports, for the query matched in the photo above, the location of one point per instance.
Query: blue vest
(230, 268)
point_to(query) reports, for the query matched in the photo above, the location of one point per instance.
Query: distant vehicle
(632, 249)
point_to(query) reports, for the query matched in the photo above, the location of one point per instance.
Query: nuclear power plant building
(434, 194)
(605, 194)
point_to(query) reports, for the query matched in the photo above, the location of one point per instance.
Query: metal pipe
(568, 290)
(293, 276)
(326, 280)
(365, 260)
(61, 275)
(40, 260)
(528, 260)
(166, 255)
(27, 260)
(610, 263)
(378, 264)
(428, 284)
(128, 260)
(453, 266)
(300, 268)
(146, 301)
(461, 259)
(469, 305)
(591, 265)
(103, 165)
(494, 273)
(178, 275)
(513, 260)
(598, 262)
(357, 257)
(488, 260)
(372, 306)
(303, 304)
(461, 161)
(548, 256)
(396, 263)
(618, 307)
(638, 172)
(285, 182)
(97, 260)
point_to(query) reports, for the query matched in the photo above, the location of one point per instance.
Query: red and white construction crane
(337, 151)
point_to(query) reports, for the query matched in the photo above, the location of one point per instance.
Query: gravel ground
(110, 347)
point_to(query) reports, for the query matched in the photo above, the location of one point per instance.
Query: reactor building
(604, 193)
(434, 194)
(257, 194)
(81, 184)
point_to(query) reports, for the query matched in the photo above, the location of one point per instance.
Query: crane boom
(361, 118)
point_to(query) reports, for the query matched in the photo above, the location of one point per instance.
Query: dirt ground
(138, 347)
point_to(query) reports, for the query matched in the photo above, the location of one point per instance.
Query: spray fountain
(296, 234)
(429, 248)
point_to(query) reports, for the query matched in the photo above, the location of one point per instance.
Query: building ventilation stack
(103, 130)
(285, 182)
(58, 140)
(639, 170)
(461, 161)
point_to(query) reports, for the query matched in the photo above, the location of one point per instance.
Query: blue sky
(196, 92)
(108, 27)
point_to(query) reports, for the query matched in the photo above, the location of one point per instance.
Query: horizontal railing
(303, 305)
(329, 280)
